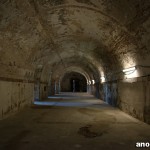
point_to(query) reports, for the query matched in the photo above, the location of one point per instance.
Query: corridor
(71, 121)
(74, 74)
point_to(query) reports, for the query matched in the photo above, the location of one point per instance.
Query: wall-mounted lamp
(89, 82)
(129, 70)
(102, 79)
(93, 81)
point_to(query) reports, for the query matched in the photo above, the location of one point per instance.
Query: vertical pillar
(97, 93)
(59, 87)
(92, 89)
(52, 89)
(37, 91)
(89, 89)
(55, 87)
(74, 86)
(49, 84)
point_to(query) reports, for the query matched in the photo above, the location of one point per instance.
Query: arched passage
(73, 82)
(101, 37)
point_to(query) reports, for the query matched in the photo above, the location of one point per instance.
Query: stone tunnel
(77, 50)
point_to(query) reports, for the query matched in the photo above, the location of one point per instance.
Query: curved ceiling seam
(91, 73)
(60, 7)
(122, 28)
(87, 76)
(60, 79)
(41, 22)
(76, 69)
(96, 64)
(56, 45)
(95, 67)
(53, 8)
(49, 37)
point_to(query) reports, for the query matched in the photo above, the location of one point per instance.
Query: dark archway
(73, 82)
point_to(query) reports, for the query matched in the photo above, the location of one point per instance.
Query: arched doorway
(73, 82)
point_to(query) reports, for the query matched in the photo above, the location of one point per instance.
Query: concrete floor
(72, 121)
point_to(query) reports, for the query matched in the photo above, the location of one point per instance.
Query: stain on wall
(99, 36)
(14, 97)
(132, 98)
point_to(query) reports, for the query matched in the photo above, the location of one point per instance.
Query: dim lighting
(129, 70)
(39, 66)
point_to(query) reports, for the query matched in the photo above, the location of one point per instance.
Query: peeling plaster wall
(96, 91)
(97, 36)
(132, 98)
(43, 90)
(110, 93)
(14, 97)
(66, 86)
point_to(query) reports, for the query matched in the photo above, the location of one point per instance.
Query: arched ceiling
(76, 70)
(100, 36)
(76, 65)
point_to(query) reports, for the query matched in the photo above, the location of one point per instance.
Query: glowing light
(93, 81)
(89, 82)
(133, 74)
(129, 70)
(102, 79)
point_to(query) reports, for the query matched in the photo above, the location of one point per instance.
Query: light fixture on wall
(93, 81)
(89, 82)
(129, 70)
(102, 79)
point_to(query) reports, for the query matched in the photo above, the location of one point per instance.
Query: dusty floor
(70, 122)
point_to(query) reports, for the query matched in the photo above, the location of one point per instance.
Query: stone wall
(14, 96)
(110, 93)
(66, 86)
(131, 97)
(43, 91)
(74, 81)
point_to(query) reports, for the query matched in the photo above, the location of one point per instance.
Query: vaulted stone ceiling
(97, 36)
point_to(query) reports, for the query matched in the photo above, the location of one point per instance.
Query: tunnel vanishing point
(101, 47)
